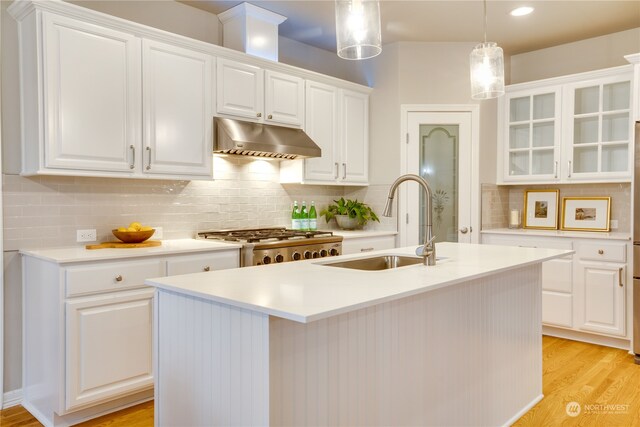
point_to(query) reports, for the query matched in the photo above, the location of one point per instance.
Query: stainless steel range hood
(260, 140)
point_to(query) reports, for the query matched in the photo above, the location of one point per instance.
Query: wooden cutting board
(122, 245)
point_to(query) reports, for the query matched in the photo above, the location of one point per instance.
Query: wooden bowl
(133, 236)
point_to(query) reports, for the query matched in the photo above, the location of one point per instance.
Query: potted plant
(349, 214)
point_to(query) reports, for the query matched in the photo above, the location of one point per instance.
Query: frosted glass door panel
(543, 134)
(616, 96)
(585, 159)
(585, 130)
(542, 162)
(544, 106)
(614, 158)
(519, 136)
(615, 127)
(587, 100)
(519, 163)
(519, 109)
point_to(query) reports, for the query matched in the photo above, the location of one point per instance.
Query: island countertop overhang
(307, 291)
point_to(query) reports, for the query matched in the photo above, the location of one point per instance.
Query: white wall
(585, 55)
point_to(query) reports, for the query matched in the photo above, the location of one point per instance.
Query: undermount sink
(377, 263)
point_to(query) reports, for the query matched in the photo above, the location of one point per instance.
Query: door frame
(474, 109)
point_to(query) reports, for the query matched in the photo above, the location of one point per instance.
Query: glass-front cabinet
(533, 135)
(575, 128)
(599, 129)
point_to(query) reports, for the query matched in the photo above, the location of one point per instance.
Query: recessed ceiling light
(521, 11)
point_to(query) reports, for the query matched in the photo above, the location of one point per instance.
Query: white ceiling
(553, 22)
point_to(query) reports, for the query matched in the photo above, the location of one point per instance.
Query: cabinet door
(178, 112)
(321, 124)
(187, 264)
(284, 99)
(599, 129)
(239, 89)
(601, 301)
(92, 96)
(108, 346)
(354, 137)
(530, 135)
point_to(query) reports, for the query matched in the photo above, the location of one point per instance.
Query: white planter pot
(346, 223)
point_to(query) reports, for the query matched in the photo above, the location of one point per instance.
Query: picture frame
(541, 209)
(586, 213)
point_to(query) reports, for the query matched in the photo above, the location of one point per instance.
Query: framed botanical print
(586, 213)
(541, 209)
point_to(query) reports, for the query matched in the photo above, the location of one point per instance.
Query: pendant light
(487, 68)
(358, 33)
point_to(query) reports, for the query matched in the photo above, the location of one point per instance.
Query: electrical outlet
(614, 224)
(86, 235)
(158, 234)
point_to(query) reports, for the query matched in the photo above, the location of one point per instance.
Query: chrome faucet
(428, 250)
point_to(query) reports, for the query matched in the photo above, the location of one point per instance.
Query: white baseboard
(604, 340)
(524, 410)
(11, 398)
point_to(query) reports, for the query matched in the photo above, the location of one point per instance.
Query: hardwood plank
(589, 374)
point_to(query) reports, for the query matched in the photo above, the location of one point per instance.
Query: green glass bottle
(295, 216)
(304, 217)
(313, 217)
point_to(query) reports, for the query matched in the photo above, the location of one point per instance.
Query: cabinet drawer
(105, 277)
(368, 244)
(557, 275)
(203, 262)
(557, 309)
(609, 252)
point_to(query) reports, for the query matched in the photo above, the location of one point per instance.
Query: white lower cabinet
(88, 331)
(585, 292)
(108, 346)
(355, 245)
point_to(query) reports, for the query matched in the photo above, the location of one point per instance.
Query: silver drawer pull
(600, 251)
(270, 117)
(119, 278)
(133, 157)
(149, 164)
(207, 268)
(366, 249)
(259, 115)
(337, 170)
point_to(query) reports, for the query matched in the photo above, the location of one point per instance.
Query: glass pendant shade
(358, 29)
(487, 71)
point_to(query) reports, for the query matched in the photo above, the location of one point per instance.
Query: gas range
(261, 246)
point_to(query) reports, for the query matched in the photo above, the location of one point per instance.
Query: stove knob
(266, 259)
(323, 253)
(307, 254)
(296, 256)
(316, 254)
(334, 252)
(279, 258)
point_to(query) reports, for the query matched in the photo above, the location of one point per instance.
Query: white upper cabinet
(571, 129)
(354, 136)
(338, 121)
(532, 134)
(240, 89)
(599, 129)
(178, 110)
(264, 96)
(89, 100)
(284, 99)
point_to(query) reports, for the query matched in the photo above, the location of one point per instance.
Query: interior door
(439, 150)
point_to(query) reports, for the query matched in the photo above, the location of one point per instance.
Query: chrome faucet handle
(428, 247)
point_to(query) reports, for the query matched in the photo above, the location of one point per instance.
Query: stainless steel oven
(261, 246)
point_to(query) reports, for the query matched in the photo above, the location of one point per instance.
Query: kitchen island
(305, 343)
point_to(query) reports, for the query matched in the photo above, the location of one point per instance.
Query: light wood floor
(591, 375)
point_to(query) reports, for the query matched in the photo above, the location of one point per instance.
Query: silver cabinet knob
(207, 268)
(600, 251)
(119, 278)
(269, 117)
(259, 115)
(464, 230)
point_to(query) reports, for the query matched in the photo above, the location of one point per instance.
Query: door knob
(464, 230)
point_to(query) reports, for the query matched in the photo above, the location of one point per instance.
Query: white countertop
(80, 254)
(357, 234)
(560, 233)
(306, 291)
